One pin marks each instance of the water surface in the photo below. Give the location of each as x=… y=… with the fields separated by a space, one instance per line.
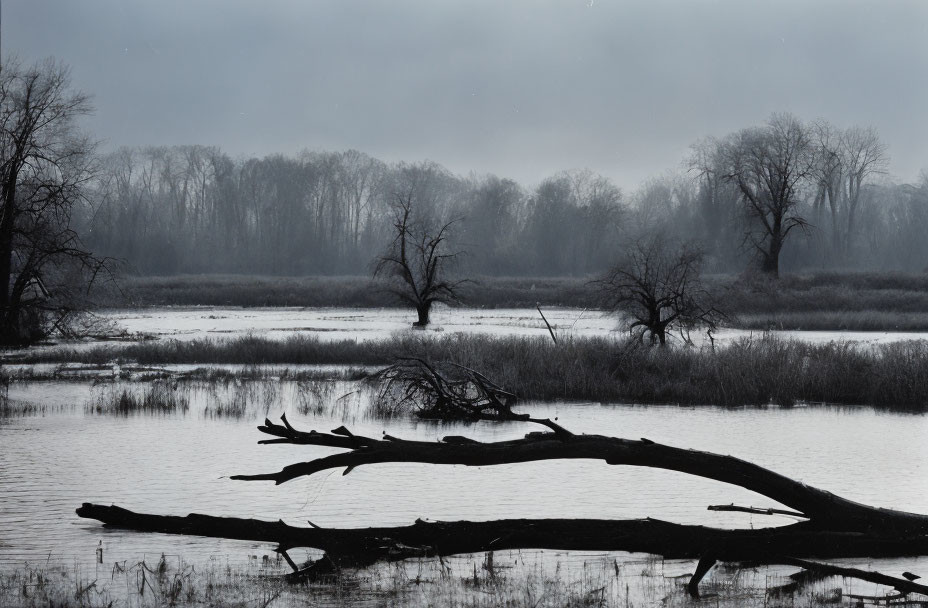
x=180 y=463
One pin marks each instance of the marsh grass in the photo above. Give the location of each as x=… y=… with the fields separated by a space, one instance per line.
x=748 y=371
x=238 y=398
x=343 y=291
x=230 y=396
x=158 y=583
x=518 y=579
x=157 y=397
x=839 y=320
x=212 y=372
x=18 y=407
x=827 y=300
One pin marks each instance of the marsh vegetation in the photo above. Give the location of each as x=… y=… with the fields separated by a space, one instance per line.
x=746 y=371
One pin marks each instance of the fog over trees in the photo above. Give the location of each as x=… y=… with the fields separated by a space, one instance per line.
x=786 y=195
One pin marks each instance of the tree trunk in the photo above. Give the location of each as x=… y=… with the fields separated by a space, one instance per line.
x=672 y=541
x=423 y=310
x=771 y=258
x=661 y=332
x=8 y=320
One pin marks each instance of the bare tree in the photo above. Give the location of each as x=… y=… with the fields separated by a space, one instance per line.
x=769 y=165
x=716 y=204
x=828 y=172
x=416 y=262
x=864 y=156
x=659 y=288
x=46 y=165
x=845 y=161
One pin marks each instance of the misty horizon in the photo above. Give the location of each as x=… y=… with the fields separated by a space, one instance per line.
x=519 y=90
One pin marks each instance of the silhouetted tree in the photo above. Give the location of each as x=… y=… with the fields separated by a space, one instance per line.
x=416 y=263
x=769 y=165
x=658 y=286
x=45 y=166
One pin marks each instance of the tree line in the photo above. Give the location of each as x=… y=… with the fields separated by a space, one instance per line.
x=785 y=194
x=195 y=209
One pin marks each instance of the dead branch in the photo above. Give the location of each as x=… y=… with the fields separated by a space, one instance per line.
x=446 y=391
x=824 y=508
x=899 y=584
x=836 y=527
x=755 y=510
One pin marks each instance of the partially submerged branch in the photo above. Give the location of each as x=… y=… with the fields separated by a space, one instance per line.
x=756 y=510
x=673 y=541
x=836 y=527
x=822 y=507
x=899 y=584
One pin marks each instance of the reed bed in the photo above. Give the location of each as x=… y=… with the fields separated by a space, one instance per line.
x=842 y=320
x=749 y=371
x=826 y=301
x=157 y=397
x=517 y=579
x=231 y=397
x=803 y=292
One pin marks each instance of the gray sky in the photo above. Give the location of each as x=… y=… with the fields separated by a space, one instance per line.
x=517 y=88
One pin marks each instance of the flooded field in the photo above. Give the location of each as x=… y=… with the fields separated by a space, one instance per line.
x=188 y=323
x=179 y=461
x=168 y=445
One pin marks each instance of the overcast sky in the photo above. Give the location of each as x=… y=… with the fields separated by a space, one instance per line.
x=518 y=88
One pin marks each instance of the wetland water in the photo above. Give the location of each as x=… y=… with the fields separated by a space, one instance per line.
x=62 y=453
x=174 y=464
x=188 y=323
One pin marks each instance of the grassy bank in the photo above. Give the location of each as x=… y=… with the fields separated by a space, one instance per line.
x=827 y=320
x=826 y=301
x=347 y=291
x=747 y=372
x=831 y=292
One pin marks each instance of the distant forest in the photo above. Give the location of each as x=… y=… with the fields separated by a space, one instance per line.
x=195 y=209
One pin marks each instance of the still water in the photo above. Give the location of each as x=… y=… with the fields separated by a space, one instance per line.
x=188 y=323
x=52 y=461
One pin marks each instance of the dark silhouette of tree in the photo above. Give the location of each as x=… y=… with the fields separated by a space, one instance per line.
x=658 y=286
x=415 y=264
x=769 y=165
x=45 y=167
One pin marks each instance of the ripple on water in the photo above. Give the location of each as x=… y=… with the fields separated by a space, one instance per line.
x=177 y=464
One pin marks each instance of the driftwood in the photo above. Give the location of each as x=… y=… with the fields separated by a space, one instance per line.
x=446 y=391
x=360 y=546
x=819 y=506
x=834 y=527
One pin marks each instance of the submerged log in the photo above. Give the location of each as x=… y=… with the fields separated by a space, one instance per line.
x=354 y=547
x=819 y=506
x=673 y=541
x=835 y=528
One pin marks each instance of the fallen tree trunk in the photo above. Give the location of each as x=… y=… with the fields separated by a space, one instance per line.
x=352 y=547
x=836 y=527
x=673 y=541
x=820 y=506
